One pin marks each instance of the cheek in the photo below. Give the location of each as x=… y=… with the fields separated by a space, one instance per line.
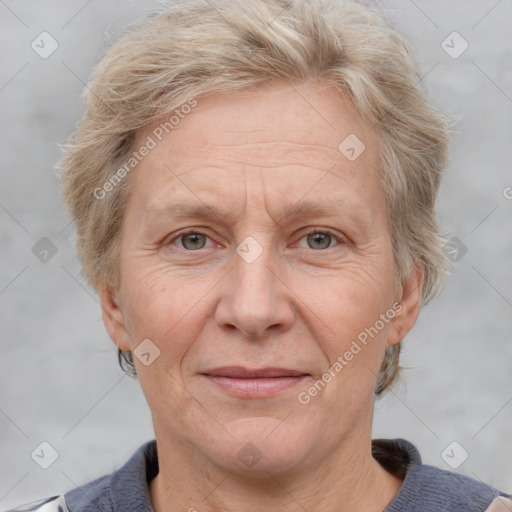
x=171 y=315
x=356 y=298
x=356 y=311
x=165 y=310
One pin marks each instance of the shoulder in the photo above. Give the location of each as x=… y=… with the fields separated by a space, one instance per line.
x=125 y=489
x=427 y=488
x=53 y=504
x=447 y=490
x=93 y=496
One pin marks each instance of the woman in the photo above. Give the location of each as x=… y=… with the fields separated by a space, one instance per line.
x=253 y=186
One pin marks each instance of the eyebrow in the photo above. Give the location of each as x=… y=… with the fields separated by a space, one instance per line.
x=292 y=211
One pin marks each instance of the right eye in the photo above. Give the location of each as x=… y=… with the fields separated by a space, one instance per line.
x=190 y=240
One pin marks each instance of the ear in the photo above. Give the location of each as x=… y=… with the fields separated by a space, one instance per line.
x=113 y=317
x=407 y=308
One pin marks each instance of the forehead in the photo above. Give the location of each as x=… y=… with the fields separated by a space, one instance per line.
x=310 y=114
x=282 y=142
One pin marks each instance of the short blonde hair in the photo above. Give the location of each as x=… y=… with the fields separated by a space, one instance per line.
x=195 y=48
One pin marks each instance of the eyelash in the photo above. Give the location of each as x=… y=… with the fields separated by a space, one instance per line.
x=196 y=232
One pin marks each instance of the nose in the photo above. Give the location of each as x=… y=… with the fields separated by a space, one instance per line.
x=255 y=299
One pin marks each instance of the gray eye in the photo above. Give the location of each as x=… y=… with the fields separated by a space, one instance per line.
x=193 y=241
x=319 y=240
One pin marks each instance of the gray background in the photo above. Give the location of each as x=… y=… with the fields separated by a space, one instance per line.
x=59 y=379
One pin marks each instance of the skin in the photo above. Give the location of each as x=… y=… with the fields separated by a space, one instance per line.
x=299 y=305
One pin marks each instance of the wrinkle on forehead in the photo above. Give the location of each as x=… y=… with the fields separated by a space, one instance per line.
x=257 y=147
x=260 y=154
x=258 y=151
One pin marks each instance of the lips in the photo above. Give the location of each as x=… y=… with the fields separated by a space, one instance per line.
x=254 y=383
x=239 y=372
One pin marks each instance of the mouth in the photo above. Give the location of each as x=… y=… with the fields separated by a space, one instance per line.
x=254 y=383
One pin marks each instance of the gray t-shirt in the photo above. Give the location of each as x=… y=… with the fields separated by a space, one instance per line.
x=425 y=488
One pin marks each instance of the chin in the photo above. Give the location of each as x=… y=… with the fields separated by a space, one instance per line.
x=259 y=445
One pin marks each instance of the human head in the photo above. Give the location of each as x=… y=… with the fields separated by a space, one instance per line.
x=197 y=48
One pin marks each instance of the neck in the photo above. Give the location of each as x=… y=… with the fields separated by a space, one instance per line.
x=349 y=480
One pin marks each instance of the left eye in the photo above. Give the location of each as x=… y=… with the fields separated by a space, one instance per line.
x=193 y=241
x=320 y=240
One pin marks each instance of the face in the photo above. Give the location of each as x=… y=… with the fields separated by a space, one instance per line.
x=256 y=259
